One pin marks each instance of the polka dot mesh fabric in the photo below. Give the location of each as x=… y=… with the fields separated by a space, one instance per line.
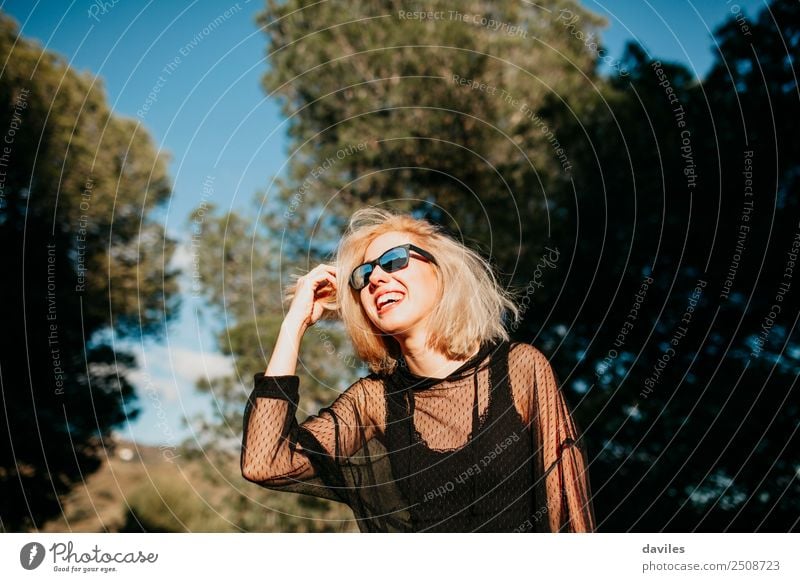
x=491 y=447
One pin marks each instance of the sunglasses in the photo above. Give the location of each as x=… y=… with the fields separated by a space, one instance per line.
x=392 y=260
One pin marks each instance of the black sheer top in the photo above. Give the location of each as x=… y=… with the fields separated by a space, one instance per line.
x=491 y=448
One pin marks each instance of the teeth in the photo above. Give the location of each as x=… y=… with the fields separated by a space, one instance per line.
x=387 y=297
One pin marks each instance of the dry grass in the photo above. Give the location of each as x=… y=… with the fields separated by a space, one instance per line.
x=100 y=504
x=150 y=493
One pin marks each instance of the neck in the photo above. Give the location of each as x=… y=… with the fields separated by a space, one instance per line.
x=423 y=361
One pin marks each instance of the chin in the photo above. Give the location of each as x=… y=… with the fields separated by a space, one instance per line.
x=397 y=328
x=390 y=329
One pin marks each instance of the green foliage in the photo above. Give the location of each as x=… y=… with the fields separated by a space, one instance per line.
x=242 y=270
x=662 y=184
x=367 y=73
x=83 y=258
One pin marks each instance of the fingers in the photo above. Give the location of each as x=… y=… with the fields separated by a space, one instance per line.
x=324 y=267
x=313 y=289
x=321 y=273
x=319 y=283
x=327 y=271
x=327 y=284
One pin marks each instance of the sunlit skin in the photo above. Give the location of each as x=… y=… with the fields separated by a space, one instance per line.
x=407 y=321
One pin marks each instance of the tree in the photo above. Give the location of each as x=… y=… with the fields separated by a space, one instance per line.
x=688 y=382
x=437 y=112
x=85 y=266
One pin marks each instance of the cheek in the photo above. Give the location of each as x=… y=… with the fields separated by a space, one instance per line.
x=431 y=286
x=364 y=301
x=427 y=291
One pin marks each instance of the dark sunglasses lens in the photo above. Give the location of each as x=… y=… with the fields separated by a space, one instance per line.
x=394 y=259
x=390 y=261
x=360 y=276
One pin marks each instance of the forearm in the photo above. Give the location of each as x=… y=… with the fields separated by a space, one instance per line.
x=577 y=491
x=283 y=361
x=269 y=429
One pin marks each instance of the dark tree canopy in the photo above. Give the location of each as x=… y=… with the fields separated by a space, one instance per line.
x=682 y=238
x=82 y=259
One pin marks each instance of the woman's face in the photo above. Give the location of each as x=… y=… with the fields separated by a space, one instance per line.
x=416 y=287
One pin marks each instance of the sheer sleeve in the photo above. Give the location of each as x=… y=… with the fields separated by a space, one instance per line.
x=279 y=453
x=563 y=492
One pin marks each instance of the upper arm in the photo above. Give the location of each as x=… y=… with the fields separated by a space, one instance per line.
x=350 y=421
x=544 y=408
x=536 y=392
x=522 y=374
x=273 y=451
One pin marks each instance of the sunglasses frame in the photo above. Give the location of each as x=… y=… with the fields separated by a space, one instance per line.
x=408 y=247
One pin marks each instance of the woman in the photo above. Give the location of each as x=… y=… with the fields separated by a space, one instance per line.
x=455 y=429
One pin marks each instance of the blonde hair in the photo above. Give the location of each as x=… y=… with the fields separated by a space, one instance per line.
x=469 y=311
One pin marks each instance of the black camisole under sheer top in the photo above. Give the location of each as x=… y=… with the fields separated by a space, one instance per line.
x=490 y=448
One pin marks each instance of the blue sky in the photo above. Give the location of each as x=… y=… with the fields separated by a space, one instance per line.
x=208 y=111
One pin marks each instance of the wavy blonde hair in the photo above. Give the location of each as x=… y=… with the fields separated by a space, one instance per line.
x=470 y=309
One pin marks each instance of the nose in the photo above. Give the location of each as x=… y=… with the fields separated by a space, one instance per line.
x=378 y=275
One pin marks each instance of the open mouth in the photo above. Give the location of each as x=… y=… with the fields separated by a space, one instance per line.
x=389 y=301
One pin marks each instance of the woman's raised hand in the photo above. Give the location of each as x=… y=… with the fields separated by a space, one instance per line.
x=315 y=291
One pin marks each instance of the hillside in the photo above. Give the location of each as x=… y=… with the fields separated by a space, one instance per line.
x=101 y=503
x=141 y=488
